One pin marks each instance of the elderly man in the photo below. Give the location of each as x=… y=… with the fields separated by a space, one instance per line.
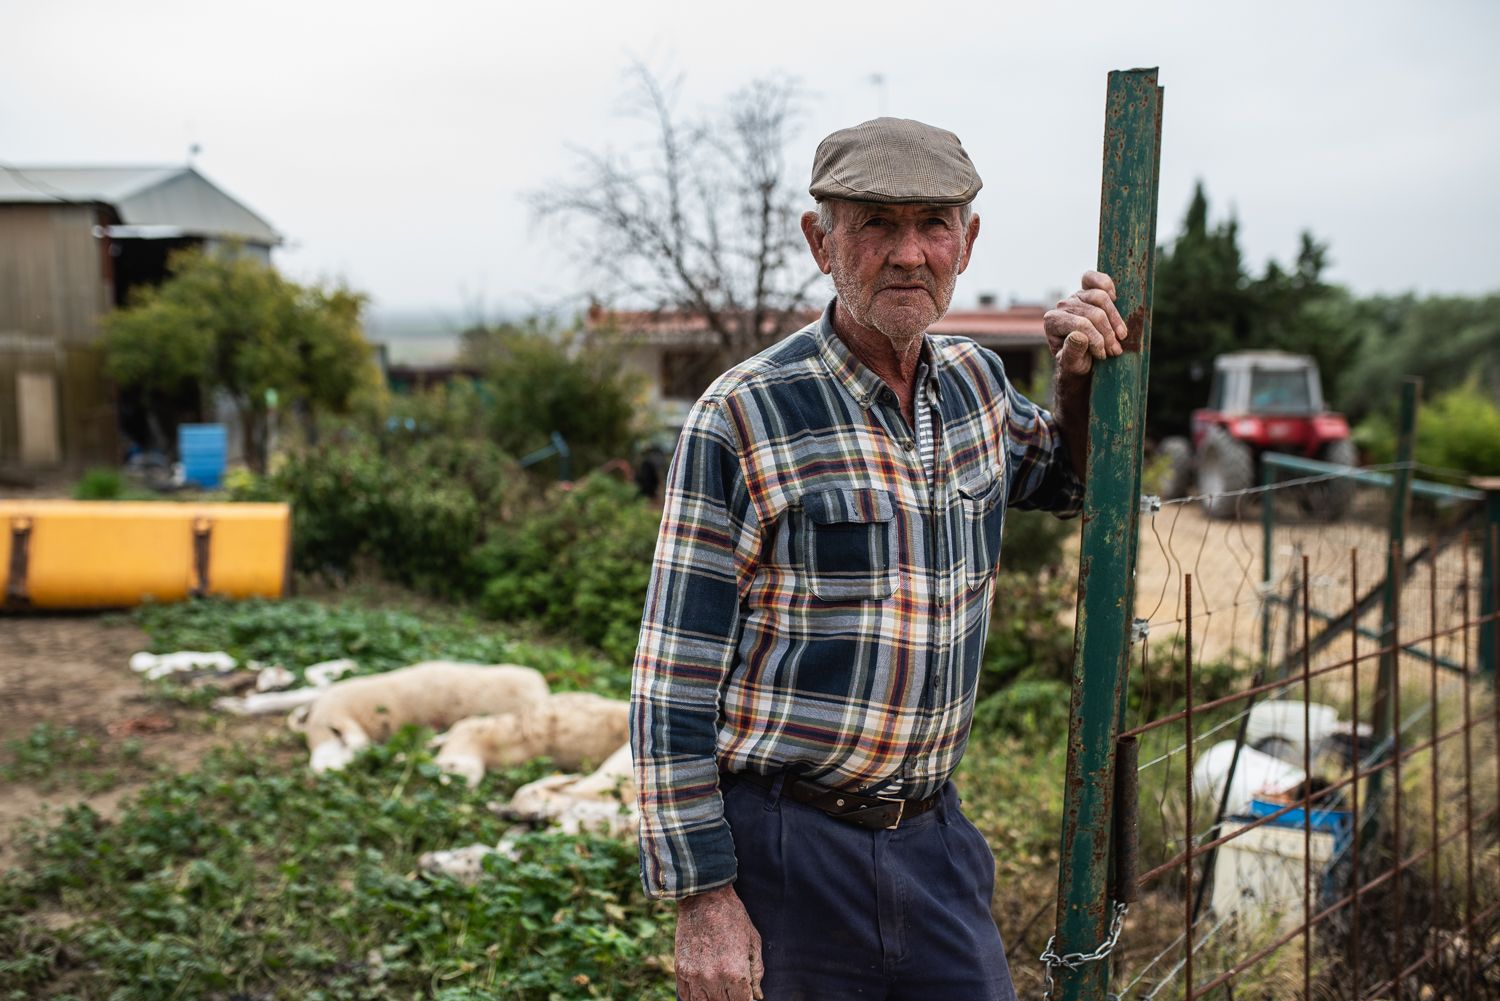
x=813 y=631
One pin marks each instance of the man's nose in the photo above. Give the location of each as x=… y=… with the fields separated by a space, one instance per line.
x=907 y=251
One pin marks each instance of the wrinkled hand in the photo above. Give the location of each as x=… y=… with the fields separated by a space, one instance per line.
x=1086 y=325
x=718 y=949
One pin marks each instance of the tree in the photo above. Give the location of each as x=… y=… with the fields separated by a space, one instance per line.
x=229 y=324
x=1449 y=341
x=1207 y=304
x=703 y=221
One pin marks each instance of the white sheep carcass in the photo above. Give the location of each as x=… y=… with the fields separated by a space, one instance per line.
x=571 y=728
x=602 y=802
x=356 y=712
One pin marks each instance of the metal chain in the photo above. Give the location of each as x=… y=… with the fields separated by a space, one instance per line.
x=1075 y=960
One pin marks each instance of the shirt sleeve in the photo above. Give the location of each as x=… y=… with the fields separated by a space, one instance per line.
x=1037 y=466
x=705 y=558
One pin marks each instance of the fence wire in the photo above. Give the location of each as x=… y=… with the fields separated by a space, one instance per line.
x=1317 y=787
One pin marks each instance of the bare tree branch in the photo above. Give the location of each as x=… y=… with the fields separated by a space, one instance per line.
x=705 y=223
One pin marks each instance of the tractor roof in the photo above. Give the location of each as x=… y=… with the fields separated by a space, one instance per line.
x=1263 y=359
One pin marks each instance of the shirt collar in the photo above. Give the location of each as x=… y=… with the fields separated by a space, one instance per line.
x=856 y=377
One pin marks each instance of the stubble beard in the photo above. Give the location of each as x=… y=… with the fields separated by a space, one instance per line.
x=900 y=326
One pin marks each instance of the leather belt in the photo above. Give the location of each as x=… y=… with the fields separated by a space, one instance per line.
x=873 y=812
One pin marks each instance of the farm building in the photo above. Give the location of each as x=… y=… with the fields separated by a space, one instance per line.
x=667 y=350
x=74 y=242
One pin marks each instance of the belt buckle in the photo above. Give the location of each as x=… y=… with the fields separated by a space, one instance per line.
x=900 y=812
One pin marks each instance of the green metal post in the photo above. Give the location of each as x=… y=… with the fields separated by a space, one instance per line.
x=1106 y=566
x=1267 y=554
x=1489 y=578
x=1406 y=446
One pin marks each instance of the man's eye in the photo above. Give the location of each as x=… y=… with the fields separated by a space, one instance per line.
x=875 y=223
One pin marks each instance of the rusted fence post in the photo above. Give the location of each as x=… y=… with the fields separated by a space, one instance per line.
x=1489 y=579
x=1106 y=566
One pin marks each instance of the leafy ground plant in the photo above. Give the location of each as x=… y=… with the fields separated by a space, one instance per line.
x=298 y=632
x=246 y=878
x=51 y=757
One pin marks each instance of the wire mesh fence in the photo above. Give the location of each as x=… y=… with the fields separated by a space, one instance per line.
x=1316 y=746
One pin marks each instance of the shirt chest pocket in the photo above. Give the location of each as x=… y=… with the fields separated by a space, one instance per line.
x=983 y=504
x=849 y=544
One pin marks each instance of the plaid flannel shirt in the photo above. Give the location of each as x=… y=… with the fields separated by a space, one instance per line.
x=819 y=596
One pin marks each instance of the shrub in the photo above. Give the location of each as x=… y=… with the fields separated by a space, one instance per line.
x=579 y=565
x=1459 y=430
x=1034 y=541
x=1028 y=637
x=538 y=382
x=418 y=508
x=100 y=484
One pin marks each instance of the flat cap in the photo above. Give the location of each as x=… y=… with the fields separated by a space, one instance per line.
x=894 y=160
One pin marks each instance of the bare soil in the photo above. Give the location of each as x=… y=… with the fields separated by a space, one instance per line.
x=72 y=671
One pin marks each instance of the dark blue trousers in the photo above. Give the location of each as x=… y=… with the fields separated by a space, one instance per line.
x=844 y=912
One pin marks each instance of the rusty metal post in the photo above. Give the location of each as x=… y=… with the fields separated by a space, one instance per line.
x=1489 y=585
x=1106 y=571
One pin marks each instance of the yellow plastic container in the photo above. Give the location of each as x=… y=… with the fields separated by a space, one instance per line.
x=108 y=554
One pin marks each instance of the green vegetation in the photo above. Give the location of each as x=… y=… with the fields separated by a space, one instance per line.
x=579 y=566
x=1459 y=431
x=53 y=757
x=539 y=381
x=243 y=879
x=100 y=484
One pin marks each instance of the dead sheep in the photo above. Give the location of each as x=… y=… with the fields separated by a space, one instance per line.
x=602 y=802
x=357 y=712
x=571 y=728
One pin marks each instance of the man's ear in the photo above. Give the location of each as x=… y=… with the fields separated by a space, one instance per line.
x=970 y=236
x=817 y=240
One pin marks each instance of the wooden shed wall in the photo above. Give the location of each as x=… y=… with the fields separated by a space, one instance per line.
x=54 y=287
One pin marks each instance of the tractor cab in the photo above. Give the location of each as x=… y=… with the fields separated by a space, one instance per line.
x=1259 y=401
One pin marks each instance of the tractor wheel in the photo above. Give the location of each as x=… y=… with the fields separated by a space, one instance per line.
x=1329 y=499
x=1177 y=480
x=1225 y=466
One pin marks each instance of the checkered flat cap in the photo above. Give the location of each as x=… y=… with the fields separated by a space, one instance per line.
x=894 y=160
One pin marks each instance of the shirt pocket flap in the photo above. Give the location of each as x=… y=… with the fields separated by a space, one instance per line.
x=981 y=487
x=836 y=507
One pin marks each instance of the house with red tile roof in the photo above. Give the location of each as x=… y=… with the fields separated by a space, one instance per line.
x=675 y=354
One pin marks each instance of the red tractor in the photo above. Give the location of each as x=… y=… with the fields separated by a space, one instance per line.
x=1260 y=401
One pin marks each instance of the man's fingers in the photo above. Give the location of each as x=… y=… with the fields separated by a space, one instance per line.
x=1106 y=302
x=757 y=970
x=1099 y=280
x=1101 y=320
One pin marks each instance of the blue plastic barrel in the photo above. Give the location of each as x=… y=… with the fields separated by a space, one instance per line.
x=201 y=448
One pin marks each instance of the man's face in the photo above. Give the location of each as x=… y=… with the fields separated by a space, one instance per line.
x=894 y=266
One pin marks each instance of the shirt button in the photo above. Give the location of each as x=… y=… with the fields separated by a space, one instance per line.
x=908 y=444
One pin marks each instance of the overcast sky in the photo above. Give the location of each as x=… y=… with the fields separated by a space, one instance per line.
x=393 y=142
